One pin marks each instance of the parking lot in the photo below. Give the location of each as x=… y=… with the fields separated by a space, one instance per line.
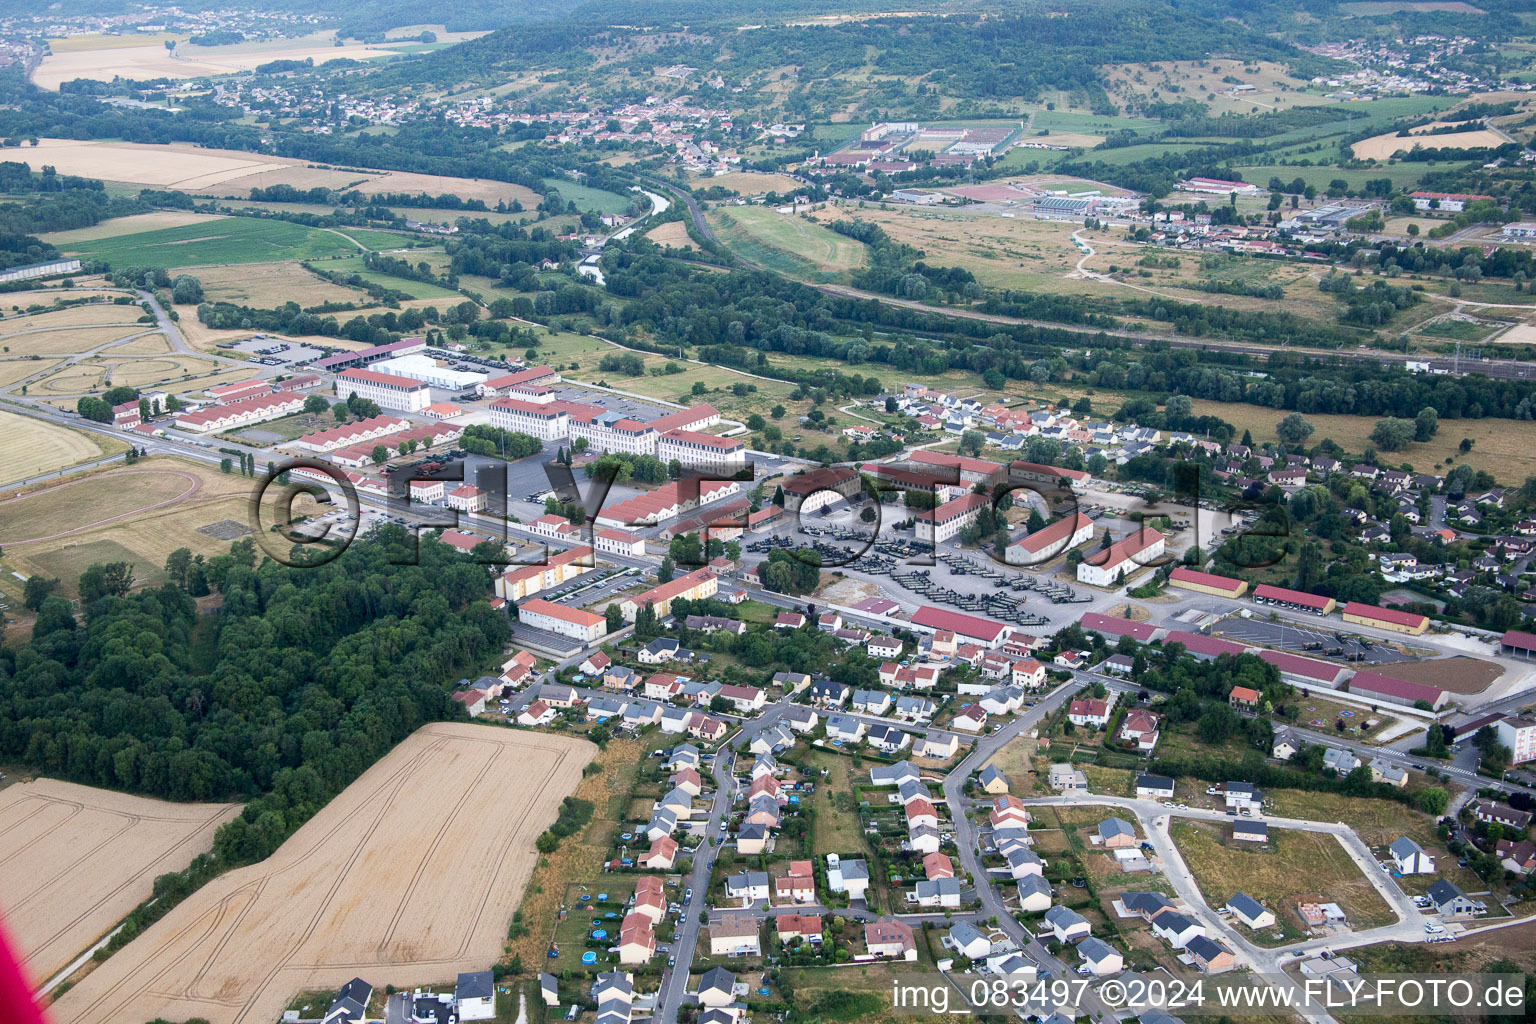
x=1317 y=642
x=275 y=352
x=629 y=408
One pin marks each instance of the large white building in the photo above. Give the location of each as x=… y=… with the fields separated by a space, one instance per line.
x=606 y=431
x=240 y=413
x=940 y=524
x=1122 y=559
x=557 y=618
x=619 y=542
x=32 y=270
x=532 y=376
x=1518 y=733
x=702 y=451
x=387 y=390
x=422 y=367
x=545 y=421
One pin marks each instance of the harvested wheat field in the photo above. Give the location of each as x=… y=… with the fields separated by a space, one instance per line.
x=409 y=876
x=230 y=172
x=131 y=225
x=673 y=233
x=1381 y=147
x=154 y=61
x=74 y=316
x=267 y=285
x=67 y=341
x=74 y=860
x=37 y=446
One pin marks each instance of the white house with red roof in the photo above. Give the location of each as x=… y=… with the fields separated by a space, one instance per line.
x=466 y=498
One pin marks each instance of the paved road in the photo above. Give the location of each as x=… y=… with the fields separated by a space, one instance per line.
x=675 y=982
x=966 y=838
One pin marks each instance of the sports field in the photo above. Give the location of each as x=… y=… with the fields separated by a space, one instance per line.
x=34 y=446
x=216 y=240
x=74 y=860
x=787 y=243
x=409 y=876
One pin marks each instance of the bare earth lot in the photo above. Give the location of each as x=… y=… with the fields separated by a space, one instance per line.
x=1458 y=675
x=409 y=876
x=74 y=860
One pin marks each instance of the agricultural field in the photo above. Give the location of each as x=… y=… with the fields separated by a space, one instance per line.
x=88 y=315
x=787 y=243
x=747 y=183
x=75 y=860
x=179 y=166
x=586 y=197
x=1381 y=147
x=268 y=285
x=217 y=240
x=152 y=60
x=415 y=289
x=673 y=233
x=35 y=446
x=345 y=896
x=233 y=173
x=13 y=371
x=1293 y=867
x=145 y=345
x=160 y=220
x=137 y=514
x=85 y=286
x=36 y=339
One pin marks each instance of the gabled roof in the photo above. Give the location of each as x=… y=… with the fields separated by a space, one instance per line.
x=1245 y=906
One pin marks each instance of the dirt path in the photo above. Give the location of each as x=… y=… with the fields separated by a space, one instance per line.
x=194 y=485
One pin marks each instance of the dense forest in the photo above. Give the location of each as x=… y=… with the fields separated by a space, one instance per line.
x=303 y=678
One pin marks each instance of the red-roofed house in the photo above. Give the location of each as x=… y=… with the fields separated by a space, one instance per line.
x=1090 y=712
x=1120 y=560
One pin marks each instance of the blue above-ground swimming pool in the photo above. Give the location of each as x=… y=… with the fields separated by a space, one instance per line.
x=589 y=958
x=600 y=934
